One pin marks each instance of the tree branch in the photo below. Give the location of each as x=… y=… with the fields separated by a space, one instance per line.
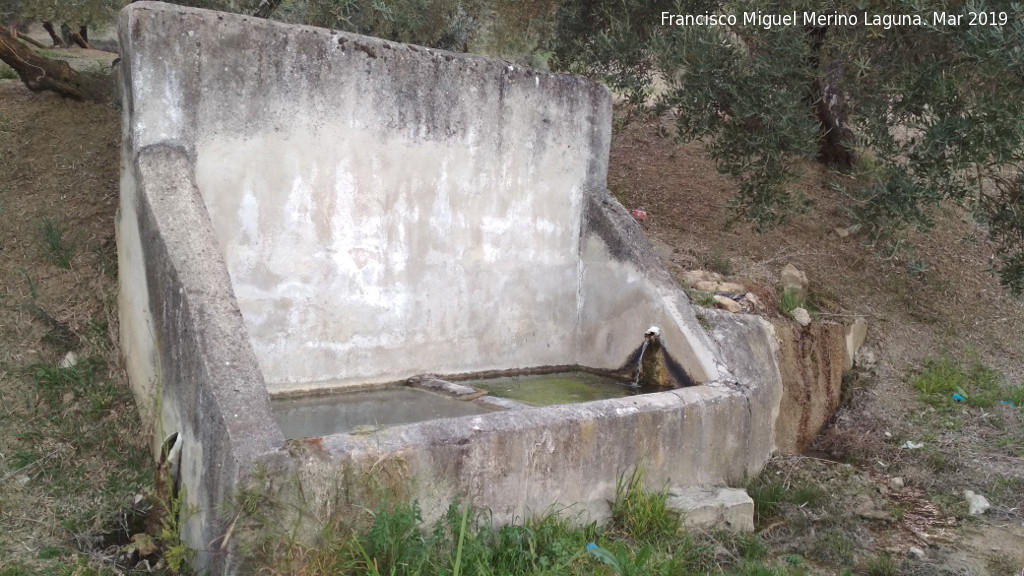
x=40 y=73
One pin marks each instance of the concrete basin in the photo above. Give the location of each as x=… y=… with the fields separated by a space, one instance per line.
x=301 y=206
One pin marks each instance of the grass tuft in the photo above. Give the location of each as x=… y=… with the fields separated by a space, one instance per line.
x=884 y=565
x=644 y=517
x=58 y=248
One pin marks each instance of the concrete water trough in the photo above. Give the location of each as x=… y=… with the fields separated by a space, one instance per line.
x=304 y=210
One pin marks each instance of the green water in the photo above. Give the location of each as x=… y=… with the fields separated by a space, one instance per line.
x=551 y=389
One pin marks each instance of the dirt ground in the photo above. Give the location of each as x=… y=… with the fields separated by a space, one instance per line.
x=932 y=295
x=62 y=490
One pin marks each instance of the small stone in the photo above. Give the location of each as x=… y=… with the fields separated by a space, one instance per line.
x=69 y=361
x=754 y=301
x=24 y=480
x=705 y=286
x=896 y=483
x=726 y=303
x=842 y=232
x=801 y=316
x=730 y=288
x=139 y=498
x=856 y=333
x=692 y=277
x=794 y=281
x=915 y=552
x=864 y=359
x=978 y=503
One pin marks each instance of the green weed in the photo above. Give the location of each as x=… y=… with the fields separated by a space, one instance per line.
x=807 y=494
x=59 y=249
x=700 y=298
x=978 y=384
x=643 y=516
x=32 y=287
x=884 y=565
x=7 y=73
x=767 y=495
x=791 y=299
x=835 y=548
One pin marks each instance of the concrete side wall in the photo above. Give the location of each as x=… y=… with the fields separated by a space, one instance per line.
x=625 y=289
x=384 y=210
x=518 y=464
x=191 y=354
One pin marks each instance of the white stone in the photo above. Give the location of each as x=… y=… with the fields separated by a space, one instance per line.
x=706 y=507
x=916 y=552
x=69 y=361
x=978 y=503
x=856 y=333
x=803 y=317
x=692 y=277
x=726 y=303
x=896 y=483
x=731 y=288
x=755 y=302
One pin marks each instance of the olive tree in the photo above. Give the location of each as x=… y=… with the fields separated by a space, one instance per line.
x=922 y=97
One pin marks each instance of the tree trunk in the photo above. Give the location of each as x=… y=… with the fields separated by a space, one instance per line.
x=32 y=41
x=831 y=110
x=48 y=26
x=830 y=105
x=39 y=73
x=78 y=39
x=83 y=31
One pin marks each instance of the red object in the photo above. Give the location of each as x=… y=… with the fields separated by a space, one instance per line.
x=639 y=214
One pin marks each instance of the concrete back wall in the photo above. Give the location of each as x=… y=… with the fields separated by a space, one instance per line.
x=387 y=210
x=384 y=210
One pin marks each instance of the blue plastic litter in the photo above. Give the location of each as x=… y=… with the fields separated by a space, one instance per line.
x=1008 y=403
x=959 y=398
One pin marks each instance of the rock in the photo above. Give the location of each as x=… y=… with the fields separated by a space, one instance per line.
x=978 y=503
x=705 y=286
x=848 y=231
x=794 y=281
x=866 y=508
x=801 y=316
x=855 y=336
x=754 y=301
x=865 y=359
x=69 y=361
x=726 y=303
x=896 y=483
x=915 y=552
x=706 y=507
x=730 y=288
x=692 y=277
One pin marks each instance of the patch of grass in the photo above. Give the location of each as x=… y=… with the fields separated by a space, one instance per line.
x=700 y=298
x=7 y=73
x=790 y=300
x=32 y=286
x=943 y=377
x=641 y=515
x=58 y=248
x=884 y=565
x=807 y=494
x=768 y=495
x=835 y=548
